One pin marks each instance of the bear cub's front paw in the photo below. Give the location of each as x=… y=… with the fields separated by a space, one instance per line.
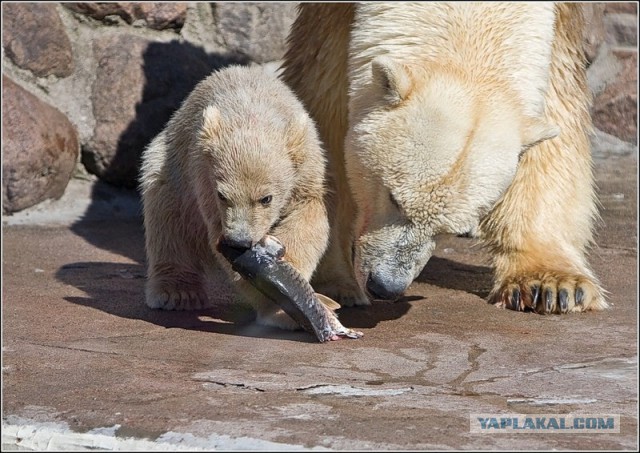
x=177 y=299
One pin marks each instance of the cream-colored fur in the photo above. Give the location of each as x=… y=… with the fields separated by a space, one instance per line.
x=461 y=117
x=241 y=158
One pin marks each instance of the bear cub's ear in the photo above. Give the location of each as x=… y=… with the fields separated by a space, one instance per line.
x=536 y=130
x=297 y=133
x=210 y=123
x=393 y=77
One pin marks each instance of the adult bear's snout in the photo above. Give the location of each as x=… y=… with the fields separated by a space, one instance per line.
x=388 y=286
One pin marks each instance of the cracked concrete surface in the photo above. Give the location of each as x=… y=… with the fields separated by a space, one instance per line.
x=86 y=365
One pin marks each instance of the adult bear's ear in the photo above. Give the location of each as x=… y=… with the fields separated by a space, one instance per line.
x=536 y=130
x=393 y=77
x=210 y=123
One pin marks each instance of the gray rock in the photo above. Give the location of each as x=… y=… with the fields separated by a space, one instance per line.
x=100 y=10
x=201 y=28
x=139 y=84
x=257 y=30
x=603 y=70
x=621 y=29
x=615 y=109
x=160 y=16
x=605 y=145
x=39 y=146
x=34 y=38
x=621 y=7
x=83 y=201
x=157 y=16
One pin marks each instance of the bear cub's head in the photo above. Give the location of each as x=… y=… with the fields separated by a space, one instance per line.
x=247 y=158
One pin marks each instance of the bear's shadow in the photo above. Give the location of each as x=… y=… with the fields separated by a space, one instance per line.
x=118 y=289
x=455 y=275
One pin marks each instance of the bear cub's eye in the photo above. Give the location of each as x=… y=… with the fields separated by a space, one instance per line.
x=222 y=197
x=265 y=201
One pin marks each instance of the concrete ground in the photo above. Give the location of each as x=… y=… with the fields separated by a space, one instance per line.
x=85 y=365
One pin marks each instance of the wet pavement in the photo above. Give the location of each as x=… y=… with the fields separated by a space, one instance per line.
x=86 y=365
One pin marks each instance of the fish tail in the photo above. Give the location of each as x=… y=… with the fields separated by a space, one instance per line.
x=327 y=301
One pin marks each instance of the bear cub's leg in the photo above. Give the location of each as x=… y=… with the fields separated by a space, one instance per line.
x=175 y=278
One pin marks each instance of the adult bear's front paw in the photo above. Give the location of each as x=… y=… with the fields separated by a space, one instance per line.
x=548 y=292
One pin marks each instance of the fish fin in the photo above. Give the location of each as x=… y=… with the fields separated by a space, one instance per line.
x=327 y=301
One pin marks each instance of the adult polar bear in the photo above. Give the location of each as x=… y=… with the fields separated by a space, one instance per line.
x=451 y=118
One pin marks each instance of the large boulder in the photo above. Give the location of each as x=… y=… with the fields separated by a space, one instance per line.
x=34 y=38
x=39 y=146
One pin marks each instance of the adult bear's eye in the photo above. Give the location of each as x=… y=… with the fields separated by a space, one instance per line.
x=222 y=197
x=265 y=201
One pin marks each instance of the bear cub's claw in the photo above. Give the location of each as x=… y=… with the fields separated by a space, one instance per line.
x=177 y=300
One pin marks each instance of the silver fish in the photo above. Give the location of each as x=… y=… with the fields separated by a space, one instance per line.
x=264 y=267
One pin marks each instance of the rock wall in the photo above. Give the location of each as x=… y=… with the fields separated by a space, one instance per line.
x=87 y=85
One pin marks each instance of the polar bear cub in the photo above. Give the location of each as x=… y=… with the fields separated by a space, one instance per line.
x=239 y=159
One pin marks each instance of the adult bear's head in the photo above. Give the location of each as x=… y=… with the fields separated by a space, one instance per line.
x=430 y=150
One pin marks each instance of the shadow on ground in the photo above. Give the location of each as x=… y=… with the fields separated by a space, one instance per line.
x=117 y=288
x=450 y=274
